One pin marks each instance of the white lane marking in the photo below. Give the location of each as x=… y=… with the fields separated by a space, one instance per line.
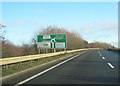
x=99 y=53
x=103 y=57
x=26 y=80
x=111 y=65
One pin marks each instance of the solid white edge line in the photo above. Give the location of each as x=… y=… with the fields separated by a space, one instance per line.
x=28 y=79
x=111 y=65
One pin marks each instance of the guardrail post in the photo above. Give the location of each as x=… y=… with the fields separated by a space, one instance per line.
x=31 y=62
x=6 y=66
x=3 y=66
x=19 y=63
x=38 y=60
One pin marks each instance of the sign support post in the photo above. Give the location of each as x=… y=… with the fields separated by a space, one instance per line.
x=54 y=50
x=39 y=50
x=46 y=50
x=65 y=50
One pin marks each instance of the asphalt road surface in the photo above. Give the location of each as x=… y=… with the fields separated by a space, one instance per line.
x=90 y=67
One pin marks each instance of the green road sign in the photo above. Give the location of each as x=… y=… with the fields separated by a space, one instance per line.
x=51 y=41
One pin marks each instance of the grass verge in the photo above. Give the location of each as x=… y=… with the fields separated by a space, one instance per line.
x=14 y=68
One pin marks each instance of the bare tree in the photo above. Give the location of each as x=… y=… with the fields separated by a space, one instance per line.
x=74 y=40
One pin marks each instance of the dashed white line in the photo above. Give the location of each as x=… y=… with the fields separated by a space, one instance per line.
x=103 y=57
x=111 y=65
x=28 y=79
x=100 y=54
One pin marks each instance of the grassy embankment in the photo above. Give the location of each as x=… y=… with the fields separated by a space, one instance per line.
x=14 y=68
x=115 y=50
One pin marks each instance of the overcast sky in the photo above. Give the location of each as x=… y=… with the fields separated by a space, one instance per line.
x=94 y=21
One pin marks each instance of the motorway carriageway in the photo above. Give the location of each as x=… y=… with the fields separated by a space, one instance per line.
x=89 y=67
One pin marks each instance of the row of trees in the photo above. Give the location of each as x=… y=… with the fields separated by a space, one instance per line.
x=103 y=45
x=74 y=41
x=100 y=45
